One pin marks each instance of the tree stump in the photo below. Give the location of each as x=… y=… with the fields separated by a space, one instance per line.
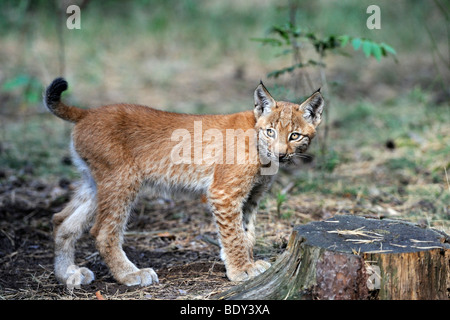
x=351 y=257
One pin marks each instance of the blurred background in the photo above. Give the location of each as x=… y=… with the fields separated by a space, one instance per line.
x=383 y=149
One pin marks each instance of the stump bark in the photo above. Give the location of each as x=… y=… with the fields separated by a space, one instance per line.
x=351 y=257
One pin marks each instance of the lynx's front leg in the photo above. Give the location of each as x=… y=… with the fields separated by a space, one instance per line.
x=250 y=207
x=236 y=249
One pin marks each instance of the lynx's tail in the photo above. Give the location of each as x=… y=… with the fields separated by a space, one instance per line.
x=53 y=102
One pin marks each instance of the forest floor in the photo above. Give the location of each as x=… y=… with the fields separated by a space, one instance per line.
x=175 y=237
x=168 y=237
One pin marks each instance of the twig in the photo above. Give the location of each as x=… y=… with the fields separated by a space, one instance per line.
x=446 y=176
x=209 y=240
x=288 y=188
x=398 y=245
x=8 y=236
x=420 y=241
x=358 y=232
x=151 y=233
x=426 y=248
x=378 y=251
x=364 y=241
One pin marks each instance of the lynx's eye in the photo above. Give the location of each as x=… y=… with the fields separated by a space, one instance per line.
x=270 y=133
x=294 y=136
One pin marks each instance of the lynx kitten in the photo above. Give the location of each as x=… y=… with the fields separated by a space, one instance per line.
x=119 y=148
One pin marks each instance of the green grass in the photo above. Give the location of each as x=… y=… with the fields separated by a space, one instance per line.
x=36 y=148
x=411 y=178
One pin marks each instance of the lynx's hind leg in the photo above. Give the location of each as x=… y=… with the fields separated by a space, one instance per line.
x=115 y=200
x=69 y=225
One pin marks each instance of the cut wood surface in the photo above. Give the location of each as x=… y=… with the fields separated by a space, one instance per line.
x=352 y=257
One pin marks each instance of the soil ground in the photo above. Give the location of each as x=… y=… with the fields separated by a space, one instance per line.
x=176 y=238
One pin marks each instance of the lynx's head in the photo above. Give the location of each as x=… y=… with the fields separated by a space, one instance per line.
x=285 y=129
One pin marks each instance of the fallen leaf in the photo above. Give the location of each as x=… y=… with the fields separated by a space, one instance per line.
x=99 y=295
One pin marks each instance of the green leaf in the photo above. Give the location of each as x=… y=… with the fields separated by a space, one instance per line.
x=16 y=82
x=33 y=93
x=277 y=73
x=316 y=63
x=367 y=47
x=297 y=32
x=32 y=96
x=344 y=40
x=376 y=51
x=356 y=43
x=388 y=48
x=284 y=52
x=332 y=42
x=270 y=41
x=282 y=32
x=311 y=36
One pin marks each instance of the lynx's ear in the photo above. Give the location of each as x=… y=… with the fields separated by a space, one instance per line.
x=263 y=101
x=312 y=108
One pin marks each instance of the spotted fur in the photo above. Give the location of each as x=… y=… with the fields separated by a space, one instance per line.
x=119 y=148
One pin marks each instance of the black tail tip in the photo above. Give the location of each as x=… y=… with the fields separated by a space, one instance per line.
x=54 y=90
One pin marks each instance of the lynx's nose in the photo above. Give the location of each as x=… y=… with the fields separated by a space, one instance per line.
x=281 y=156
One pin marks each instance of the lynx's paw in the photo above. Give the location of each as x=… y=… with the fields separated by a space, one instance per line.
x=142 y=277
x=252 y=271
x=76 y=276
